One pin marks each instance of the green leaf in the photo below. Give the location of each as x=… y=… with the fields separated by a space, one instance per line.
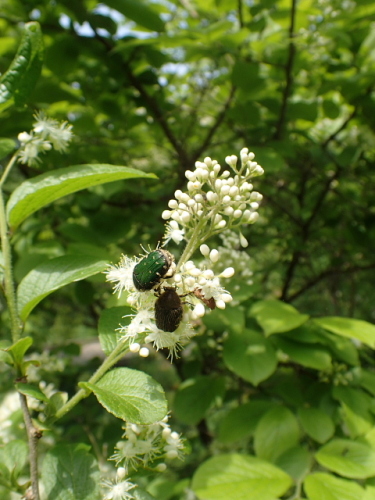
x=31 y=390
x=306 y=355
x=234 y=477
x=250 y=356
x=241 y=422
x=53 y=275
x=130 y=395
x=317 y=424
x=109 y=321
x=348 y=458
x=43 y=189
x=356 y=409
x=349 y=327
x=70 y=472
x=55 y=402
x=14 y=456
x=18 y=349
x=296 y=462
x=139 y=12
x=6 y=147
x=19 y=80
x=276 y=432
x=276 y=317
x=195 y=396
x=321 y=486
x=370 y=493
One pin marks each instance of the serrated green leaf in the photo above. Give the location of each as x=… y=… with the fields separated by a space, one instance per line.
x=18 y=349
x=316 y=424
x=320 y=486
x=276 y=432
x=349 y=327
x=43 y=189
x=51 y=276
x=130 y=395
x=31 y=390
x=6 y=147
x=195 y=396
x=19 y=80
x=275 y=316
x=139 y=12
x=234 y=477
x=70 y=472
x=109 y=322
x=250 y=356
x=348 y=458
x=241 y=422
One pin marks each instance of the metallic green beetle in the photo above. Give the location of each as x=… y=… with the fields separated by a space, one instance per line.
x=151 y=269
x=168 y=310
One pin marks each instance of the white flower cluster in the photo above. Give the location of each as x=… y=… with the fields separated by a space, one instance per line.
x=47 y=133
x=214 y=201
x=144 y=444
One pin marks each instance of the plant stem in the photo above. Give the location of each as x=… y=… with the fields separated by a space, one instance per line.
x=9 y=287
x=192 y=244
x=33 y=435
x=112 y=359
x=8 y=168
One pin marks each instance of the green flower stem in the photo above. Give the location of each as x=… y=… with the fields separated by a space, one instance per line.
x=193 y=243
x=10 y=293
x=8 y=169
x=111 y=360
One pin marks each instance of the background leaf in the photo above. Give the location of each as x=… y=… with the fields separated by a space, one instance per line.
x=276 y=317
x=38 y=192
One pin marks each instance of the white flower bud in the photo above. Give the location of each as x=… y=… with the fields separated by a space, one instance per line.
x=208 y=274
x=172 y=204
x=221 y=224
x=202 y=281
x=217 y=168
x=189 y=265
x=166 y=432
x=226 y=297
x=220 y=304
x=224 y=189
x=24 y=137
x=218 y=184
x=195 y=272
x=121 y=473
x=230 y=181
x=191 y=176
x=226 y=199
x=182 y=206
x=204 y=249
x=258 y=170
x=218 y=218
x=237 y=214
x=233 y=191
x=171 y=454
x=166 y=214
x=254 y=205
x=198 y=198
x=185 y=217
x=255 y=196
x=212 y=175
x=211 y=196
x=175 y=435
x=199 y=310
x=192 y=203
x=161 y=467
x=253 y=217
x=177 y=194
x=208 y=161
x=190 y=282
x=229 y=211
x=184 y=197
x=214 y=255
x=134 y=347
x=225 y=174
x=144 y=352
x=243 y=241
x=227 y=273
x=190 y=186
x=251 y=156
x=244 y=151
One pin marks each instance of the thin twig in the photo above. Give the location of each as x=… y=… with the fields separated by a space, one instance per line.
x=33 y=436
x=289 y=74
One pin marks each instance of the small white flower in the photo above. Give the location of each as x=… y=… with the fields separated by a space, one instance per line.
x=122 y=274
x=173 y=232
x=59 y=134
x=118 y=490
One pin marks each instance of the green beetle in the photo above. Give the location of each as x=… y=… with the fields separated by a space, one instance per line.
x=151 y=269
x=168 y=310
